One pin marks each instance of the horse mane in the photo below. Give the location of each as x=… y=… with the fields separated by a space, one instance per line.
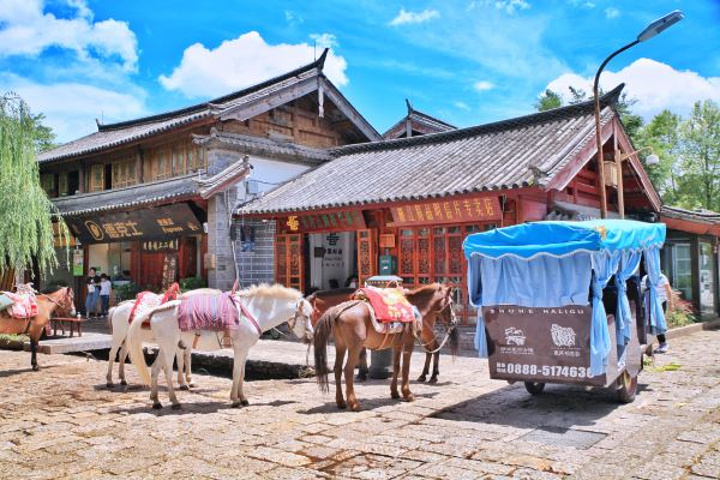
x=423 y=294
x=276 y=291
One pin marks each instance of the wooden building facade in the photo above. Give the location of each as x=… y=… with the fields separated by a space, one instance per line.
x=408 y=203
x=148 y=200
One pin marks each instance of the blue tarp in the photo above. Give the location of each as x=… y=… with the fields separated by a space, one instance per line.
x=562 y=238
x=550 y=264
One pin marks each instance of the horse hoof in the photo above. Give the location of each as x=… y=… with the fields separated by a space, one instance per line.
x=157 y=406
x=36 y=368
x=177 y=406
x=244 y=403
x=236 y=405
x=192 y=385
x=361 y=377
x=409 y=398
x=109 y=384
x=184 y=387
x=422 y=378
x=123 y=382
x=355 y=407
x=433 y=381
x=341 y=405
x=394 y=395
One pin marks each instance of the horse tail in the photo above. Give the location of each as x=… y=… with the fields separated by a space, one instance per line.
x=135 y=347
x=320 y=341
x=454 y=341
x=109 y=318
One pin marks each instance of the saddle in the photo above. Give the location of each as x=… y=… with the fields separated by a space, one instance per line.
x=388 y=304
x=147 y=300
x=19 y=305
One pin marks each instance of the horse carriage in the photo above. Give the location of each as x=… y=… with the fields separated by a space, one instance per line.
x=560 y=302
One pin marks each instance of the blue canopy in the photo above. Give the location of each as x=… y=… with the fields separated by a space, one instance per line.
x=562 y=238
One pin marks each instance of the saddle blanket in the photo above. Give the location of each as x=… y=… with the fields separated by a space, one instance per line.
x=388 y=304
x=208 y=312
x=23 y=306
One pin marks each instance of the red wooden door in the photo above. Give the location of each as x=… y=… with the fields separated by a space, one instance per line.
x=367 y=254
x=290 y=260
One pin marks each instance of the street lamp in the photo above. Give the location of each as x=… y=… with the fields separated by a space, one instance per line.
x=656 y=27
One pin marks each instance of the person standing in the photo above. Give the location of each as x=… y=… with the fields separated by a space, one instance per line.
x=665 y=294
x=105 y=288
x=93 y=293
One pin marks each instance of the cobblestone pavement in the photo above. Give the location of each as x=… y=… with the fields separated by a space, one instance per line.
x=62 y=422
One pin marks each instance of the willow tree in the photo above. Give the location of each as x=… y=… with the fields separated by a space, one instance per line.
x=26 y=213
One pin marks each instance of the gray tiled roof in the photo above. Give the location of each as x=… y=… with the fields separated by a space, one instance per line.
x=509 y=154
x=113 y=135
x=701 y=216
x=264 y=146
x=164 y=191
x=416 y=117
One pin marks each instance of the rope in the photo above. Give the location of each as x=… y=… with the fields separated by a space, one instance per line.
x=442 y=344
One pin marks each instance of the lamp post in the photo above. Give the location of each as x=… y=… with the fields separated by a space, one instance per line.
x=656 y=27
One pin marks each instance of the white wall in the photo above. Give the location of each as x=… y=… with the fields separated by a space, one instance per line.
x=270 y=174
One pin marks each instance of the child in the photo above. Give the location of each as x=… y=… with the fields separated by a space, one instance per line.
x=105 y=288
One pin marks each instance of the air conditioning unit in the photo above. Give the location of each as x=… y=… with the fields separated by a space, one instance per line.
x=611 y=174
x=252 y=187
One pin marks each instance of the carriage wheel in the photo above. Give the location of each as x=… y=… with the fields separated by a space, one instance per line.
x=534 y=388
x=627 y=388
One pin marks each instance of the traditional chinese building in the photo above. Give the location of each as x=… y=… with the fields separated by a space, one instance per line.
x=404 y=206
x=149 y=200
x=416 y=123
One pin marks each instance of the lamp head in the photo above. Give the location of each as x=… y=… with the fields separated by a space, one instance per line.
x=652 y=159
x=661 y=24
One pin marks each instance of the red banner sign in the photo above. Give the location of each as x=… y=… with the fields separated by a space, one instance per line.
x=448 y=211
x=324 y=222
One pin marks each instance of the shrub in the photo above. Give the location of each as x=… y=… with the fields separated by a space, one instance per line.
x=192 y=283
x=126 y=292
x=683 y=313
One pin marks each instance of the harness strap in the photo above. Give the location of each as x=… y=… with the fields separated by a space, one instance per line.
x=246 y=313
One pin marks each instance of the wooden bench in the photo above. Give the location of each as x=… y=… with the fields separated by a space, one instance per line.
x=70 y=322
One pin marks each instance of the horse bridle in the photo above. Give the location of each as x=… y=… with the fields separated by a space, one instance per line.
x=453 y=326
x=67 y=299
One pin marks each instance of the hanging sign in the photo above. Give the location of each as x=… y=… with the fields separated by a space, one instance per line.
x=448 y=211
x=78 y=261
x=171 y=245
x=170 y=267
x=165 y=222
x=324 y=222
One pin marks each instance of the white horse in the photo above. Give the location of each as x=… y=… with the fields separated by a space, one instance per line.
x=269 y=305
x=118 y=318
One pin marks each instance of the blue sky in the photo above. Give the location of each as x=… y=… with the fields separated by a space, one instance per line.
x=467 y=62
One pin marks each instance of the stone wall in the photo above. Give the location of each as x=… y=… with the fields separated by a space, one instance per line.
x=255 y=259
x=222 y=276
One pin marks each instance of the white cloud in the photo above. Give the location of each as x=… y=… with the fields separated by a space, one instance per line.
x=408 y=17
x=293 y=18
x=511 y=7
x=324 y=40
x=241 y=62
x=70 y=108
x=612 y=12
x=483 y=86
x=655 y=85
x=28 y=31
x=462 y=106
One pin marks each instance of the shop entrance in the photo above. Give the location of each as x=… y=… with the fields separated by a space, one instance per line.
x=332 y=259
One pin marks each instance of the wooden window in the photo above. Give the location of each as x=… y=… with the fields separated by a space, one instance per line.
x=47 y=182
x=63 y=184
x=124 y=173
x=178 y=159
x=162 y=164
x=97 y=177
x=195 y=158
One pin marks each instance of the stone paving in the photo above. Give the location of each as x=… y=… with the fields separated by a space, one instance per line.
x=62 y=422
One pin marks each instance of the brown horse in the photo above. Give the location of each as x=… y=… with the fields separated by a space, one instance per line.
x=351 y=326
x=323 y=300
x=62 y=299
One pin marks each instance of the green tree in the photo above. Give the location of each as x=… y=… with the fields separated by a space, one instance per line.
x=26 y=213
x=662 y=133
x=548 y=100
x=700 y=157
x=44 y=135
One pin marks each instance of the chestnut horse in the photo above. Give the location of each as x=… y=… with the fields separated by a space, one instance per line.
x=323 y=300
x=62 y=299
x=351 y=326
